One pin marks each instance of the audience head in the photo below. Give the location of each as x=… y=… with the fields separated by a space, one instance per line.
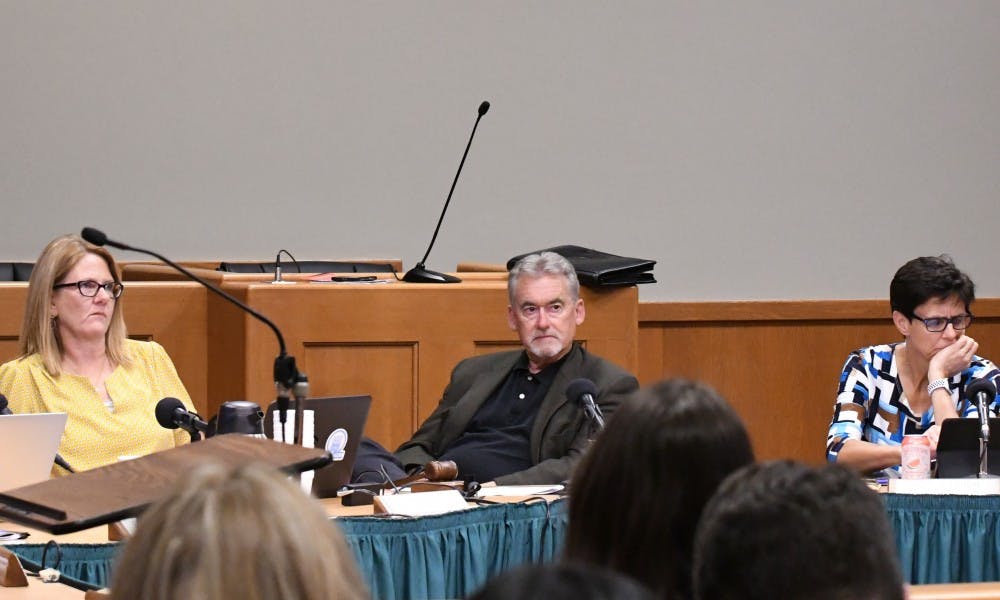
x=245 y=533
x=928 y=278
x=40 y=330
x=786 y=530
x=545 y=306
x=636 y=496
x=565 y=581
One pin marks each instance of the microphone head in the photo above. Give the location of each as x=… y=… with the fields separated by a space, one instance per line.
x=94 y=236
x=165 y=412
x=3 y=405
x=978 y=386
x=485 y=106
x=578 y=388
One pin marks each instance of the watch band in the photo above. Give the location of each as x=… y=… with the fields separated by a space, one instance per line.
x=937 y=384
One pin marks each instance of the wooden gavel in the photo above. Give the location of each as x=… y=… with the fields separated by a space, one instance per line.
x=435 y=470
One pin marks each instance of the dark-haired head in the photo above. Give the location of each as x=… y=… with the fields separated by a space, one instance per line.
x=565 y=581
x=926 y=278
x=787 y=530
x=636 y=496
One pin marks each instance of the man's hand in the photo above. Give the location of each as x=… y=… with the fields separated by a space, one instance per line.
x=953 y=359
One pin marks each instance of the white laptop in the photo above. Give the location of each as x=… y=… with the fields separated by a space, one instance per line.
x=28 y=445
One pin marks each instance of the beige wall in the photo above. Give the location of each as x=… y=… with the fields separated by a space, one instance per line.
x=764 y=149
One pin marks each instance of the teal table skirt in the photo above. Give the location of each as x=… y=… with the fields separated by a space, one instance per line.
x=946 y=539
x=450 y=556
x=941 y=539
x=446 y=556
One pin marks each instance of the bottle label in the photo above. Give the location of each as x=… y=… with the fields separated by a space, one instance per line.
x=916 y=463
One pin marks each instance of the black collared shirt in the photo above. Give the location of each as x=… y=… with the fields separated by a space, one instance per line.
x=497 y=440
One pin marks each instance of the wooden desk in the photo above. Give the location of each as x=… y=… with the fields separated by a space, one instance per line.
x=954 y=591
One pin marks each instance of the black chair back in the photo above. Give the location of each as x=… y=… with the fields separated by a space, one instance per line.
x=307 y=266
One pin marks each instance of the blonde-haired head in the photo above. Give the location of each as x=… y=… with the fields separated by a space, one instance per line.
x=246 y=533
x=39 y=332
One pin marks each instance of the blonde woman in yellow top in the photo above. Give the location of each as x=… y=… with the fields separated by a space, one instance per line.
x=76 y=358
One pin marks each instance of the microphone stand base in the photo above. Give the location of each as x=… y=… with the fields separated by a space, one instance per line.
x=419 y=274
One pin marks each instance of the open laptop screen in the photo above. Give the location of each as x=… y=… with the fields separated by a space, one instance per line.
x=338 y=423
x=29 y=442
x=958 y=448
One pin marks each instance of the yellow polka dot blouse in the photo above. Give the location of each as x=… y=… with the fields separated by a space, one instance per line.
x=96 y=436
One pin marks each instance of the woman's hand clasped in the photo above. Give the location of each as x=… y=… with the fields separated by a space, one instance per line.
x=952 y=359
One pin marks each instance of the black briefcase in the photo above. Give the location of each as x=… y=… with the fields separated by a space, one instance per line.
x=600 y=269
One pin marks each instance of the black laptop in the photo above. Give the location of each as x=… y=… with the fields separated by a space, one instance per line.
x=338 y=424
x=958 y=448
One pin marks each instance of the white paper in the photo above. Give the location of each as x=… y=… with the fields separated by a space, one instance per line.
x=519 y=490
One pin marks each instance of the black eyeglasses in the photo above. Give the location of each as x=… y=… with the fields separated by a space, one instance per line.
x=89 y=287
x=939 y=324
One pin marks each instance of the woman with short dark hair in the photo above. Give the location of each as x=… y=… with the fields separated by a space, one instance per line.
x=903 y=388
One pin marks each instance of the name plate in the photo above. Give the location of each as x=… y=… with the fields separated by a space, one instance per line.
x=422 y=504
x=964 y=486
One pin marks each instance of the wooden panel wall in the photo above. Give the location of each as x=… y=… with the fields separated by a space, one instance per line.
x=172 y=314
x=777 y=362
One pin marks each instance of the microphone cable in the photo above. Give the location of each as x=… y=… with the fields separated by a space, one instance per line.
x=277 y=260
x=35 y=569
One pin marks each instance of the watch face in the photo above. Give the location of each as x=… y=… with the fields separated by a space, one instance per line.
x=336 y=442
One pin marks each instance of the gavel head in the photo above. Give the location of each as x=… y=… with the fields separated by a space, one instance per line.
x=441 y=470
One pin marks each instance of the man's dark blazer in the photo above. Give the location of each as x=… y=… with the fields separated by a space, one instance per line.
x=559 y=434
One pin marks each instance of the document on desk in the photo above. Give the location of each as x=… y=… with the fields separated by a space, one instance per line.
x=519 y=490
x=333 y=278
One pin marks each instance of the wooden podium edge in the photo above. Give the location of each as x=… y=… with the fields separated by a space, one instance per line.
x=28 y=505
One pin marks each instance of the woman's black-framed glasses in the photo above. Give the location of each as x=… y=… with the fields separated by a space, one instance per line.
x=939 y=324
x=89 y=287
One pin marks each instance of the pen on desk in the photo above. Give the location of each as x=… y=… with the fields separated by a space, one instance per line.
x=10 y=536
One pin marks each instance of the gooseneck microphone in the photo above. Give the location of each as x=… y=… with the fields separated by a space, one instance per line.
x=419 y=274
x=171 y=414
x=286 y=375
x=5 y=410
x=982 y=392
x=584 y=392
